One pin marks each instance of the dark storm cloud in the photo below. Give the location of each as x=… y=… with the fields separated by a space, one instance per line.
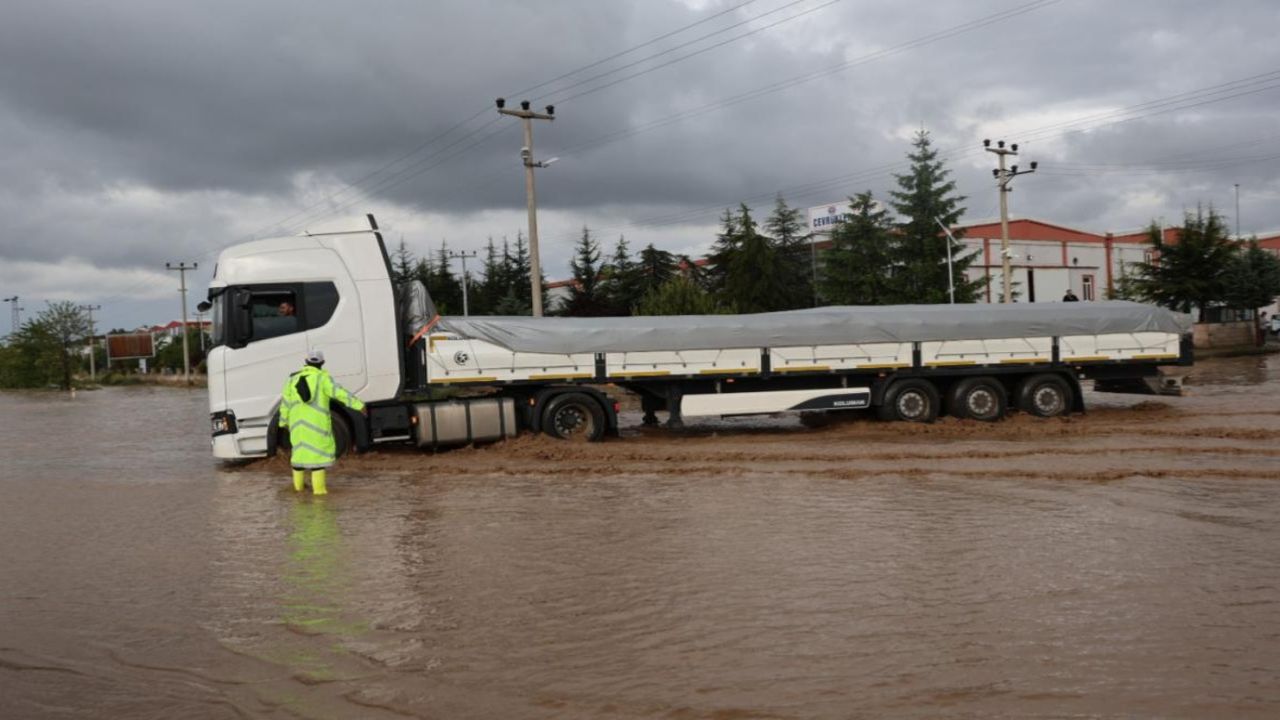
x=137 y=132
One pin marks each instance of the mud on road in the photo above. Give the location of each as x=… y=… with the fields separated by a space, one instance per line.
x=1215 y=431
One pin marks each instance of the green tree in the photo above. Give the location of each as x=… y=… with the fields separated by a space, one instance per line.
x=754 y=281
x=1189 y=273
x=45 y=350
x=1251 y=277
x=857 y=268
x=925 y=197
x=716 y=274
x=794 y=255
x=621 y=281
x=490 y=287
x=444 y=287
x=169 y=354
x=655 y=268
x=586 y=298
x=402 y=264
x=678 y=296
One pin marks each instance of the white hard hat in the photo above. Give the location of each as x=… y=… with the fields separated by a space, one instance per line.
x=315 y=357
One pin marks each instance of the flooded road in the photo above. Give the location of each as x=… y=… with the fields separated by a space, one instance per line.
x=1125 y=563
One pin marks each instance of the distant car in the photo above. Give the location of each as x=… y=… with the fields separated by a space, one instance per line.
x=1274 y=325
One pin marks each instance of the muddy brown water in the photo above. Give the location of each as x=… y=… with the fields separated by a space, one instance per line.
x=1125 y=563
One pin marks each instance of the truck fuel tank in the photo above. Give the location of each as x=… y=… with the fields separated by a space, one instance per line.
x=465 y=421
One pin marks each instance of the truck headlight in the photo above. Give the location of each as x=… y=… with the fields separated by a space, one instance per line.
x=224 y=423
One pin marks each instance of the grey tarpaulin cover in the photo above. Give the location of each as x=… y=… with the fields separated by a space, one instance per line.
x=819 y=326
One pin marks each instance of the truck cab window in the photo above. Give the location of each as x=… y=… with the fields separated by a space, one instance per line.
x=321 y=299
x=273 y=314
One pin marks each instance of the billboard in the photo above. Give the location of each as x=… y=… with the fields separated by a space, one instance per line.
x=824 y=218
x=128 y=346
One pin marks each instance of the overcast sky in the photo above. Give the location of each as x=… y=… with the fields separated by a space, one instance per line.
x=135 y=133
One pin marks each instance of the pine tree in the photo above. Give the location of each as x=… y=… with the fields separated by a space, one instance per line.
x=445 y=288
x=926 y=196
x=796 y=263
x=585 y=296
x=727 y=241
x=857 y=268
x=483 y=295
x=402 y=264
x=620 y=287
x=1252 y=277
x=655 y=268
x=1187 y=274
x=754 y=281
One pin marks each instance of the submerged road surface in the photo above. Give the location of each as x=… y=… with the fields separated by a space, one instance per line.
x=1125 y=563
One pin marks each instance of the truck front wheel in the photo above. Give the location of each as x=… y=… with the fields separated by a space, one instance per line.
x=574 y=416
x=341 y=434
x=910 y=401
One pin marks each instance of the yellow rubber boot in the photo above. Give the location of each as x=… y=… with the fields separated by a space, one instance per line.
x=299 y=481
x=317 y=483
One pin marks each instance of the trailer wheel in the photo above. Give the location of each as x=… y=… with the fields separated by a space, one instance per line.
x=978 y=398
x=1045 y=395
x=574 y=416
x=910 y=401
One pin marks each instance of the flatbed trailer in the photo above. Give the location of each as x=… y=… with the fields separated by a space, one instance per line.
x=507 y=375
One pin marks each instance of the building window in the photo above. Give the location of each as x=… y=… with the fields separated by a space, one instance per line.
x=1087 y=290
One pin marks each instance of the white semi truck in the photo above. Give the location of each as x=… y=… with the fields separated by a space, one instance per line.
x=273 y=300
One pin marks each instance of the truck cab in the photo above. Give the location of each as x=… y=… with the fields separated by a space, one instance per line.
x=273 y=300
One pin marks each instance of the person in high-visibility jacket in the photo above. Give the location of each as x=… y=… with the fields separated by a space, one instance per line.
x=304 y=410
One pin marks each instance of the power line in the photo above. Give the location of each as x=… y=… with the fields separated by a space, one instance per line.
x=692 y=54
x=812 y=75
x=461 y=123
x=630 y=50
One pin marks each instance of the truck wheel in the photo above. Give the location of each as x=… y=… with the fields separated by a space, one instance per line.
x=341 y=434
x=574 y=416
x=978 y=398
x=1045 y=395
x=910 y=401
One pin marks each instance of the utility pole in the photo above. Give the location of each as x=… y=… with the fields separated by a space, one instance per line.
x=200 y=326
x=951 y=279
x=93 y=370
x=466 y=310
x=16 y=316
x=1003 y=178
x=1237 y=211
x=526 y=155
x=182 y=269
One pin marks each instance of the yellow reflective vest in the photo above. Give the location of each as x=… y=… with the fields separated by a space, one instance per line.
x=304 y=410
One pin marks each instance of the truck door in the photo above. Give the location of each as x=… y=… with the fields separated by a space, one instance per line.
x=266 y=342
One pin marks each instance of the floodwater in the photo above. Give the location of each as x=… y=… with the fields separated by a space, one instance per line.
x=1125 y=563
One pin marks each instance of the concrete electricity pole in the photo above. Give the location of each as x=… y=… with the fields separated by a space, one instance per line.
x=466 y=310
x=93 y=369
x=1237 y=211
x=16 y=316
x=182 y=269
x=1003 y=178
x=526 y=154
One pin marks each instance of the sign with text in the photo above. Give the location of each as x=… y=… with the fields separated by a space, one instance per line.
x=824 y=218
x=127 y=346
